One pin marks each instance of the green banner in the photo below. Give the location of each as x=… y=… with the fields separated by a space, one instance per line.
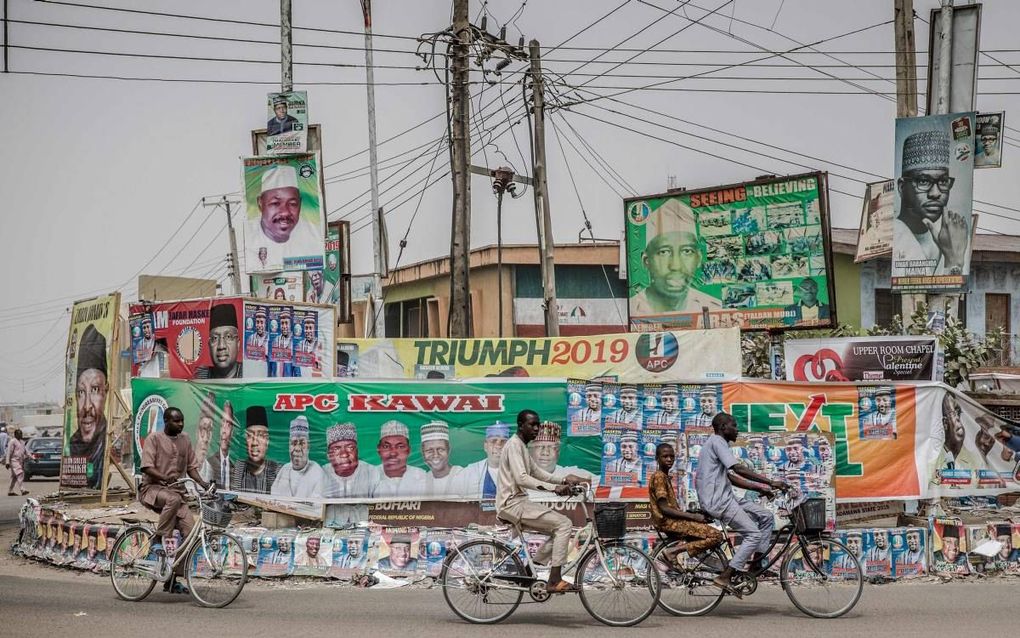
x=437 y=440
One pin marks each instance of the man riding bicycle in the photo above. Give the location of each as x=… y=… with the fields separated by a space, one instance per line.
x=166 y=457
x=518 y=473
x=718 y=472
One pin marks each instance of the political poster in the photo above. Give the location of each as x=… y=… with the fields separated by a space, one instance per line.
x=287 y=128
x=331 y=285
x=284 y=223
x=949 y=547
x=875 y=237
x=754 y=255
x=280 y=286
x=910 y=551
x=886 y=358
x=933 y=228
x=988 y=142
x=90 y=355
x=584 y=409
x=143 y=340
x=627 y=357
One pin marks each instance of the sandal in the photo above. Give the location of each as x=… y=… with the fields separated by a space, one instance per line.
x=561 y=587
x=728 y=588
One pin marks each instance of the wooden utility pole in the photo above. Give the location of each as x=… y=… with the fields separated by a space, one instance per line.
x=906 y=59
x=286 y=49
x=543 y=218
x=235 y=271
x=459 y=322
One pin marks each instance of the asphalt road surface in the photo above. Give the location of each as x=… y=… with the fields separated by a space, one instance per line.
x=11 y=505
x=45 y=601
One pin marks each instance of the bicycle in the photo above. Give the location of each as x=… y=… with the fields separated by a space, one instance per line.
x=617 y=583
x=807 y=569
x=216 y=564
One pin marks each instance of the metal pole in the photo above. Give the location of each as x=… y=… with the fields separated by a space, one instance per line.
x=376 y=329
x=6 y=38
x=499 y=256
x=286 y=49
x=460 y=235
x=945 y=57
x=543 y=217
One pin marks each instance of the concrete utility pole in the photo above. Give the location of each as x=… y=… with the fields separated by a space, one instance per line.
x=459 y=321
x=543 y=217
x=376 y=328
x=286 y=49
x=235 y=272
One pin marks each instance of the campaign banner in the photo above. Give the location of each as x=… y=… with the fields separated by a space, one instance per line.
x=90 y=355
x=280 y=286
x=631 y=358
x=988 y=149
x=143 y=340
x=226 y=338
x=365 y=440
x=284 y=223
x=875 y=237
x=934 y=225
x=949 y=547
x=287 y=128
x=906 y=358
x=754 y=255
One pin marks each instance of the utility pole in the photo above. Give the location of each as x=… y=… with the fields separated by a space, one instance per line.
x=503 y=181
x=235 y=272
x=286 y=49
x=7 y=67
x=943 y=302
x=459 y=321
x=543 y=218
x=376 y=328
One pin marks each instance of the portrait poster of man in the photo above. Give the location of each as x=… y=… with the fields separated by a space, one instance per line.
x=313 y=553
x=281 y=341
x=284 y=224
x=350 y=553
x=933 y=227
x=910 y=551
x=280 y=286
x=875 y=236
x=91 y=338
x=399 y=551
x=739 y=252
x=988 y=143
x=256 y=339
x=584 y=409
x=949 y=547
x=877 y=405
x=307 y=345
x=621 y=459
x=143 y=338
x=287 y=128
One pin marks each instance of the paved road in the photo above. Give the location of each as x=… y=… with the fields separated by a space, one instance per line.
x=49 y=602
x=11 y=505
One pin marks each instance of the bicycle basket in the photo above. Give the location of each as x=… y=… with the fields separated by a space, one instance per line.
x=809 y=516
x=611 y=520
x=217 y=513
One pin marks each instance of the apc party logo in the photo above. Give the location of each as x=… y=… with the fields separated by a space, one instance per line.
x=638 y=213
x=149 y=418
x=657 y=351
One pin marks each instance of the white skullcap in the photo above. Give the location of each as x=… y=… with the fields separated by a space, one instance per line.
x=279 y=176
x=393 y=428
x=672 y=217
x=435 y=431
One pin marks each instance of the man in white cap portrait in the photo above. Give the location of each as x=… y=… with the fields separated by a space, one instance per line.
x=307 y=352
x=881 y=422
x=279 y=229
x=347 y=476
x=147 y=344
x=672 y=257
x=925 y=230
x=282 y=122
x=628 y=414
x=629 y=461
x=301 y=477
x=398 y=479
x=435 y=449
x=545 y=453
x=256 y=347
x=480 y=477
x=709 y=407
x=592 y=412
x=669 y=408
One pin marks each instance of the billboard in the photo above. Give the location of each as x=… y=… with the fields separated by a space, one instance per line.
x=287 y=128
x=279 y=286
x=875 y=237
x=332 y=284
x=864 y=359
x=91 y=342
x=934 y=226
x=756 y=255
x=965 y=45
x=988 y=149
x=284 y=224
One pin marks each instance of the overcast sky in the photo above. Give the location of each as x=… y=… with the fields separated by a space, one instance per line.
x=98 y=174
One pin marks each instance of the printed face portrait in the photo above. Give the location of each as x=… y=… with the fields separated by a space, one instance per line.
x=594 y=399
x=280 y=108
x=226 y=426
x=628 y=450
x=534 y=544
x=343 y=457
x=545 y=454
x=493 y=447
x=883 y=403
x=913 y=541
x=672 y=260
x=853 y=542
x=315 y=277
x=393 y=452
x=950 y=548
x=223 y=345
x=203 y=434
x=280 y=209
x=794 y=453
x=436 y=454
x=925 y=193
x=353 y=550
x=708 y=404
x=260 y=325
x=312 y=546
x=824 y=451
x=91 y=396
x=808 y=289
x=952 y=424
x=881 y=540
x=309 y=329
x=400 y=555
x=284 y=325
x=298 y=453
x=669 y=402
x=628 y=400
x=147 y=330
x=1007 y=545
x=283 y=544
x=279 y=294
x=984 y=441
x=256 y=438
x=989 y=144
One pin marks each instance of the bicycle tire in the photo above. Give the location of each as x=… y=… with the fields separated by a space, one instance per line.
x=459 y=573
x=630 y=569
x=228 y=564
x=801 y=581
x=687 y=585
x=122 y=557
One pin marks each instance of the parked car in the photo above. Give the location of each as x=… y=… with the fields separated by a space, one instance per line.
x=43 y=457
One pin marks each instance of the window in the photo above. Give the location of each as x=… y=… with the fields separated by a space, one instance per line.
x=408 y=318
x=887 y=305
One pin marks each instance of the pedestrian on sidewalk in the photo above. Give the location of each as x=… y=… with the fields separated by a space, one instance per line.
x=14 y=459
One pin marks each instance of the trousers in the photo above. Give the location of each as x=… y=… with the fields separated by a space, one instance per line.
x=173 y=511
x=754 y=523
x=536 y=518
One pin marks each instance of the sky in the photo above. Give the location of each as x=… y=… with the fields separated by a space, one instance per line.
x=102 y=178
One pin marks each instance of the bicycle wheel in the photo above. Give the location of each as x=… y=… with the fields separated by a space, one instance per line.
x=217 y=570
x=622 y=591
x=132 y=546
x=483 y=581
x=687 y=588
x=816 y=583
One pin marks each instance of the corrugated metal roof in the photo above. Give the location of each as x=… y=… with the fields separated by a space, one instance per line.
x=844 y=241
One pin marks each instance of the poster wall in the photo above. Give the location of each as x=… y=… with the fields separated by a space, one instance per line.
x=905 y=358
x=933 y=229
x=287 y=128
x=89 y=364
x=756 y=255
x=636 y=358
x=284 y=225
x=875 y=237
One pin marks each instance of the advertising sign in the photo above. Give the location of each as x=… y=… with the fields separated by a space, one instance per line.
x=91 y=352
x=875 y=237
x=933 y=228
x=279 y=286
x=863 y=359
x=284 y=224
x=755 y=255
x=988 y=151
x=287 y=128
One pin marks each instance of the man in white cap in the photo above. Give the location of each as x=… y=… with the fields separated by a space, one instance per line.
x=301 y=478
x=629 y=461
x=628 y=414
x=672 y=257
x=925 y=230
x=669 y=408
x=592 y=412
x=709 y=407
x=307 y=351
x=279 y=229
x=398 y=479
x=256 y=348
x=435 y=449
x=347 y=476
x=481 y=477
x=881 y=422
x=545 y=453
x=147 y=344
